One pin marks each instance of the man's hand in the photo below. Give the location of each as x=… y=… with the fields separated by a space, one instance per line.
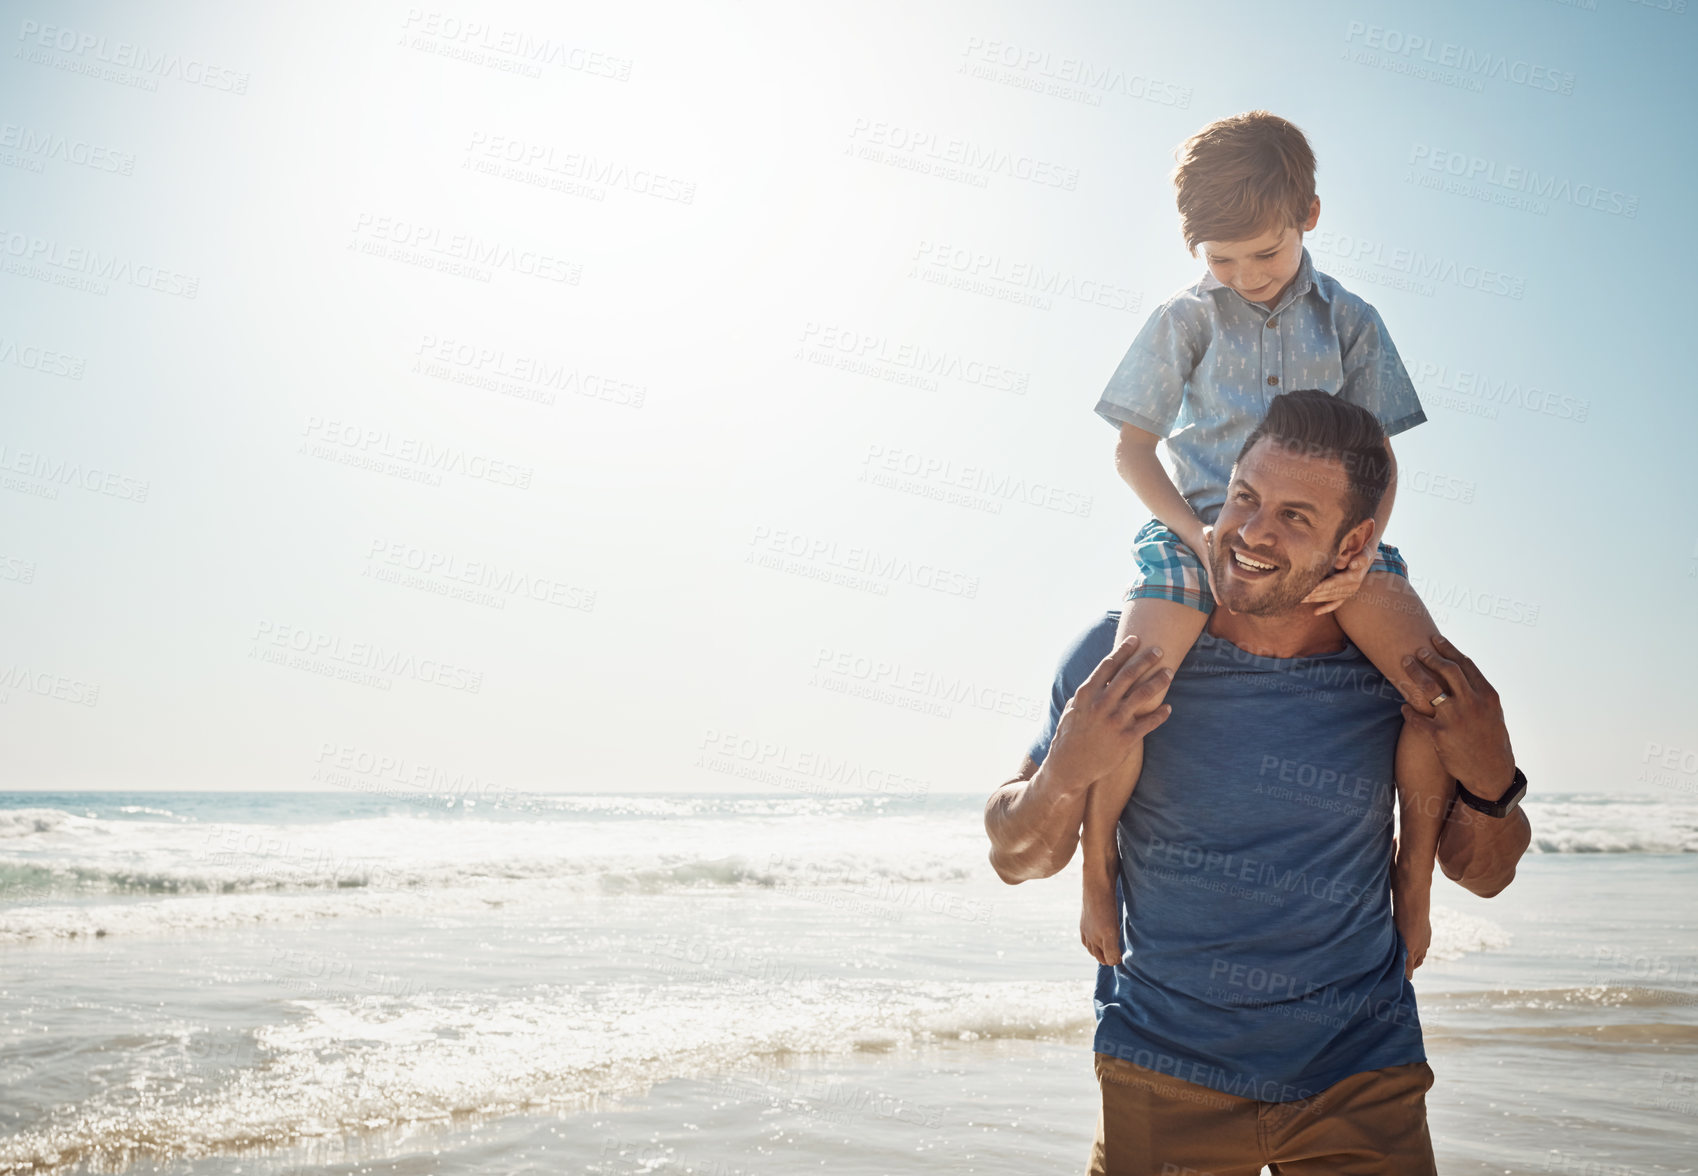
x=1119 y=704
x=1466 y=723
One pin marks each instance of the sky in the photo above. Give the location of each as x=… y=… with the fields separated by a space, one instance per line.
x=698 y=398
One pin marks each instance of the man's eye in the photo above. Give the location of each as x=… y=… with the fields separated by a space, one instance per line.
x=1295 y=517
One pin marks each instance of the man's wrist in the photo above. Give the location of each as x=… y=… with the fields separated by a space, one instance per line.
x=1491 y=786
x=1499 y=808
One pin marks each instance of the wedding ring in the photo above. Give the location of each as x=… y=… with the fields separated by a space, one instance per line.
x=1441 y=698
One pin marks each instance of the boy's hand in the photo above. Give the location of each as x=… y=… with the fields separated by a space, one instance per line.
x=1340 y=586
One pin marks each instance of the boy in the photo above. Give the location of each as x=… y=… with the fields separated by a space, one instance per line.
x=1199 y=376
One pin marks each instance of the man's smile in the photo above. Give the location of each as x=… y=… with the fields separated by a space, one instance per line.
x=1252 y=568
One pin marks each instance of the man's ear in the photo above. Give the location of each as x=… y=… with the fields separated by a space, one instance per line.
x=1355 y=541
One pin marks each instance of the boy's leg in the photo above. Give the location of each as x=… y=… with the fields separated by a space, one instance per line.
x=1173 y=628
x=1387 y=622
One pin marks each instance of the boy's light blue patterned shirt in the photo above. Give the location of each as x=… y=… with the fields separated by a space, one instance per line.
x=1207 y=363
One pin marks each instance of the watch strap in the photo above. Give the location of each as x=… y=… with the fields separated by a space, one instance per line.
x=1501 y=807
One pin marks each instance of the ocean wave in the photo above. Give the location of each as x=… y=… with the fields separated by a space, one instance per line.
x=1621 y=826
x=52 y=855
x=361 y=1063
x=1456 y=934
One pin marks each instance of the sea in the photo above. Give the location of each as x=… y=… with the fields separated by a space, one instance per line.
x=352 y=982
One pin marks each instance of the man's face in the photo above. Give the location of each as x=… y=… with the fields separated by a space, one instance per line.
x=1275 y=538
x=1260 y=267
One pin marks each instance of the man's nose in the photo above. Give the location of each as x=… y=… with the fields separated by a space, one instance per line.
x=1258 y=531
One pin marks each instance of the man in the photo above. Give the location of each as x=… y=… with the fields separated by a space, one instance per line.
x=1260 y=1011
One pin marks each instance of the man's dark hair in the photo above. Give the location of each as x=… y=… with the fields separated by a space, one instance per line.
x=1311 y=423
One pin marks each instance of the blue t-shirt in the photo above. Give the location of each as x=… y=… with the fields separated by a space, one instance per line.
x=1259 y=957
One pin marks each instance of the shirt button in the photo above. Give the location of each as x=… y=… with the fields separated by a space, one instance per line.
x=1273 y=379
x=1272 y=323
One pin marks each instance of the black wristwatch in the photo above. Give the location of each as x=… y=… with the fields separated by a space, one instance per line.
x=1501 y=807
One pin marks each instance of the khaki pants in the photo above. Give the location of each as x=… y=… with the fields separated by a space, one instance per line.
x=1369 y=1124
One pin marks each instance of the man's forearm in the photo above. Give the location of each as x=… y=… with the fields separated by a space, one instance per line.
x=1479 y=852
x=1033 y=823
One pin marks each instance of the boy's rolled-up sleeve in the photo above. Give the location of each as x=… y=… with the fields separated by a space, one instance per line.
x=1374 y=375
x=1148 y=386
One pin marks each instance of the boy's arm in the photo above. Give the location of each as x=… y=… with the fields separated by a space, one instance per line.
x=1033 y=820
x=1135 y=458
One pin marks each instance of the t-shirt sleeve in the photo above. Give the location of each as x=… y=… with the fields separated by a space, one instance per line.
x=1374 y=376
x=1083 y=656
x=1148 y=386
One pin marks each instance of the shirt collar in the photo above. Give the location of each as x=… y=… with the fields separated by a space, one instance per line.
x=1300 y=285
